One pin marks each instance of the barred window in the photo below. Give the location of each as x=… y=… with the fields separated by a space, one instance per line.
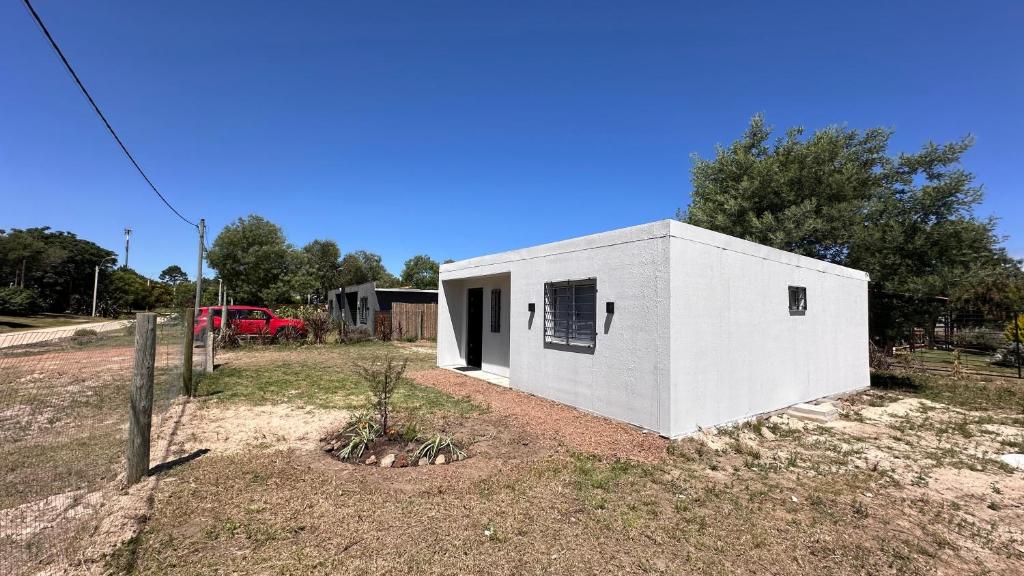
x=797 y=300
x=496 y=310
x=570 y=312
x=364 y=309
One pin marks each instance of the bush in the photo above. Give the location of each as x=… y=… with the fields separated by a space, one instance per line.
x=318 y=323
x=20 y=301
x=354 y=335
x=84 y=335
x=1015 y=330
x=436 y=444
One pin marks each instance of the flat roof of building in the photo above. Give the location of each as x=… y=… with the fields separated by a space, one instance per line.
x=492 y=263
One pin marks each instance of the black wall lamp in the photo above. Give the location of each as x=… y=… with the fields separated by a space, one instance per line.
x=609 y=307
x=530 y=307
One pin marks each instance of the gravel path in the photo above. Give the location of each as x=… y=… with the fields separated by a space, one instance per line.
x=576 y=429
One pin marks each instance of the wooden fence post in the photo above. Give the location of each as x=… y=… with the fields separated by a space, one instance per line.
x=419 y=326
x=186 y=352
x=141 y=417
x=208 y=365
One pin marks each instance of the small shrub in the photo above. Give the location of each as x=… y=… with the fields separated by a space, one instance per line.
x=363 y=429
x=437 y=444
x=356 y=334
x=318 y=323
x=357 y=444
x=86 y=333
x=383 y=375
x=1014 y=332
x=228 y=335
x=264 y=335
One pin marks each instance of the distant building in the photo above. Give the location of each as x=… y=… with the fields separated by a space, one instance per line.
x=359 y=304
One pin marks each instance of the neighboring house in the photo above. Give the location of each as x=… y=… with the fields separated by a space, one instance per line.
x=665 y=325
x=359 y=304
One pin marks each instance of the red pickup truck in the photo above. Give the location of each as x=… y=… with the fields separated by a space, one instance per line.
x=249 y=320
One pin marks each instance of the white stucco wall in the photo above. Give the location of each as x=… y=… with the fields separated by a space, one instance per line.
x=701 y=332
x=452 y=326
x=736 y=350
x=625 y=376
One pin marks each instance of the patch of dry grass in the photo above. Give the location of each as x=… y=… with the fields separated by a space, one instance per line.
x=904 y=483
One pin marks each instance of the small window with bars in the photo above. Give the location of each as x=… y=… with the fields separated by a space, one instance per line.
x=364 y=309
x=496 y=310
x=570 y=312
x=797 y=300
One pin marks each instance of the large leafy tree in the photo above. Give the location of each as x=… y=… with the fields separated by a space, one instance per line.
x=420 y=271
x=324 y=263
x=362 y=266
x=57 y=267
x=257 y=263
x=839 y=195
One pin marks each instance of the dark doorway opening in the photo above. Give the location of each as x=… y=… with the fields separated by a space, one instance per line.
x=474 y=326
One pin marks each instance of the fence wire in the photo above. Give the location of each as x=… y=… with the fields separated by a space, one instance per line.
x=64 y=400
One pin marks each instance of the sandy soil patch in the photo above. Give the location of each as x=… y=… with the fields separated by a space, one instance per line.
x=276 y=427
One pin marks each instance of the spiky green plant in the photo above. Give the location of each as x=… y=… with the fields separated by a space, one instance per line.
x=437 y=444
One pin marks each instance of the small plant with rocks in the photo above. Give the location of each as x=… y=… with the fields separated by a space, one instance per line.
x=372 y=437
x=436 y=445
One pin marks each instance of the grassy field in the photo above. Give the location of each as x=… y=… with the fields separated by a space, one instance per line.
x=319 y=377
x=971 y=361
x=20 y=323
x=906 y=482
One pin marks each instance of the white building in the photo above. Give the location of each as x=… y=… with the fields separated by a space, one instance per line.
x=665 y=325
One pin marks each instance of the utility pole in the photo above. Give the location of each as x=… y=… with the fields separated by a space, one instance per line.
x=127 y=240
x=199 y=273
x=96 y=282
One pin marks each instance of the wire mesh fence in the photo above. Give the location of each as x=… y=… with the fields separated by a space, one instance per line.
x=932 y=335
x=64 y=405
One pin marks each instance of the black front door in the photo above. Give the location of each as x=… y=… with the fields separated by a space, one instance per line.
x=474 y=326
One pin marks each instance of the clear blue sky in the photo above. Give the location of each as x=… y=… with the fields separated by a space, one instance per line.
x=462 y=128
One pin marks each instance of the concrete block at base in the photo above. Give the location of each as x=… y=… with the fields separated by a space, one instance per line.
x=814 y=412
x=1015 y=460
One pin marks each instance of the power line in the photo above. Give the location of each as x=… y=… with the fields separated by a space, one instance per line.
x=124 y=149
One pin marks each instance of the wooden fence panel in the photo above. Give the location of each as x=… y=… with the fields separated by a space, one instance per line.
x=411 y=320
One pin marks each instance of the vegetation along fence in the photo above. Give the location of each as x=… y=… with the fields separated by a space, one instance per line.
x=407 y=322
x=65 y=402
x=930 y=335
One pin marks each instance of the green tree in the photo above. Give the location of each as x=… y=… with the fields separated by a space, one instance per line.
x=123 y=291
x=256 y=262
x=421 y=271
x=838 y=195
x=324 y=263
x=173 y=275
x=57 y=266
x=362 y=266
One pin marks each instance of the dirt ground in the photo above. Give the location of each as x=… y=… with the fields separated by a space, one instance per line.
x=63 y=424
x=907 y=481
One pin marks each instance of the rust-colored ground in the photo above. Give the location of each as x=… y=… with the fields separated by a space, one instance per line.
x=550 y=421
